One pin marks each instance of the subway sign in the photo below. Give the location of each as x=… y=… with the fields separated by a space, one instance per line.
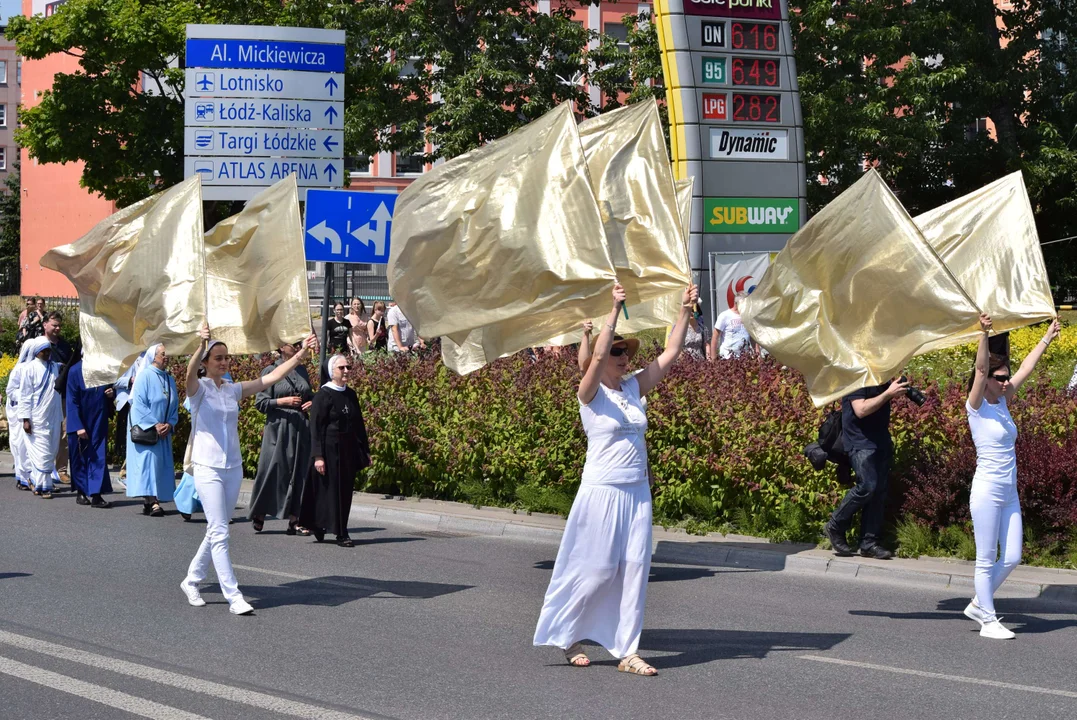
x=752 y=215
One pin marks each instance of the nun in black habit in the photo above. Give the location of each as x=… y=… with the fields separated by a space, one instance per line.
x=339 y=450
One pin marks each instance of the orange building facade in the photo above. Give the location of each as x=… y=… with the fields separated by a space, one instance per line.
x=57 y=211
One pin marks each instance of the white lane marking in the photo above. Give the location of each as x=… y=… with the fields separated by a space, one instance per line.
x=96 y=693
x=940 y=676
x=290 y=576
x=243 y=696
x=278 y=573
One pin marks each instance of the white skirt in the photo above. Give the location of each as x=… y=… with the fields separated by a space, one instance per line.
x=17 y=443
x=599 y=583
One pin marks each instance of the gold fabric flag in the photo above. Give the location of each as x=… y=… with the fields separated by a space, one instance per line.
x=139 y=277
x=632 y=182
x=637 y=197
x=661 y=311
x=507 y=234
x=854 y=294
x=988 y=239
x=256 y=280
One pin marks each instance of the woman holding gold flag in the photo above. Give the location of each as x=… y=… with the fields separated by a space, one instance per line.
x=215 y=455
x=993 y=501
x=599 y=584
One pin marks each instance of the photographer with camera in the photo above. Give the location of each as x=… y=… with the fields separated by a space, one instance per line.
x=865 y=419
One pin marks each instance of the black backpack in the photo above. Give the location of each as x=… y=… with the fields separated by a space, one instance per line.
x=829 y=446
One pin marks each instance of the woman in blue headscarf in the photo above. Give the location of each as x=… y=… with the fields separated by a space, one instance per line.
x=151 y=474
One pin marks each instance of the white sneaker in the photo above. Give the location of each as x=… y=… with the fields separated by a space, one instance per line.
x=194 y=598
x=240 y=607
x=974 y=612
x=996 y=631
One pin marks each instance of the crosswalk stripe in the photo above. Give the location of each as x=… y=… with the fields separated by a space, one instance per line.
x=265 y=701
x=96 y=693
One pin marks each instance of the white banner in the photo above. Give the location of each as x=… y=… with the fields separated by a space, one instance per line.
x=749 y=144
x=733 y=274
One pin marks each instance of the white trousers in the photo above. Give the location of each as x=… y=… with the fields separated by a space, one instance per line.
x=996 y=523
x=218 y=489
x=599 y=584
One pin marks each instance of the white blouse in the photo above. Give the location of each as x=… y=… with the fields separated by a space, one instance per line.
x=216 y=432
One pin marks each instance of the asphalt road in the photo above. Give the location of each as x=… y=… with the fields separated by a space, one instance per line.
x=410 y=624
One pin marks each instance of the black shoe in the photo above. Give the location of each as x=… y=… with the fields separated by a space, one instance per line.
x=837 y=540
x=186 y=516
x=319 y=534
x=99 y=502
x=82 y=499
x=345 y=541
x=876 y=551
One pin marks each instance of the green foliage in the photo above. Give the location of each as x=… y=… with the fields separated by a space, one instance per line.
x=906 y=87
x=958 y=542
x=456 y=74
x=914 y=539
x=11 y=216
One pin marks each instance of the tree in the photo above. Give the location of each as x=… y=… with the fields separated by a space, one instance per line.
x=10 y=227
x=121 y=112
x=908 y=87
x=456 y=73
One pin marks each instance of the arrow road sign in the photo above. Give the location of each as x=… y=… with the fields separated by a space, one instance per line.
x=346 y=226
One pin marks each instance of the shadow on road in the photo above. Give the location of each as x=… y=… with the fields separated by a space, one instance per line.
x=1020 y=614
x=662 y=573
x=697 y=647
x=5 y=576
x=335 y=590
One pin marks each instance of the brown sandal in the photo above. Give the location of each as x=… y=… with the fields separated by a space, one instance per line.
x=576 y=656
x=637 y=666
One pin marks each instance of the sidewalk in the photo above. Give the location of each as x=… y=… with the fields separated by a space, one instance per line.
x=449 y=519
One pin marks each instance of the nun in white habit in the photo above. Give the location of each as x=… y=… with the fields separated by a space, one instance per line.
x=16 y=436
x=599 y=585
x=41 y=413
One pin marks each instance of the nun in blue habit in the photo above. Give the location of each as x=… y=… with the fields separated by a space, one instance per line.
x=88 y=411
x=151 y=473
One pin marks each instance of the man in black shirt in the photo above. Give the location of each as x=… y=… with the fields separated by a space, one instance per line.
x=865 y=420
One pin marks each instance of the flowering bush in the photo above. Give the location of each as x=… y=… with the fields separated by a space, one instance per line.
x=725 y=441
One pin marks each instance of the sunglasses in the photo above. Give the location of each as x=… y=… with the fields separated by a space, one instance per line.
x=618 y=351
x=1001 y=378
x=345 y=367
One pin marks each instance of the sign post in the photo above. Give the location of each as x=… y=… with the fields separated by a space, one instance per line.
x=735 y=122
x=262 y=103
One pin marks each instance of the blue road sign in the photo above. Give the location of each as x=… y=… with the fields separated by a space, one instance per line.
x=264 y=55
x=350 y=227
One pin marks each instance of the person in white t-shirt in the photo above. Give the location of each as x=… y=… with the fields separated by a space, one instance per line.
x=730 y=338
x=599 y=583
x=215 y=455
x=993 y=501
x=402 y=337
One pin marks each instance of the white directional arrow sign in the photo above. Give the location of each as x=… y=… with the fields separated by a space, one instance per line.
x=323 y=233
x=348 y=226
x=376 y=231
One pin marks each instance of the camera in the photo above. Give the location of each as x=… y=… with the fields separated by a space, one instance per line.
x=914 y=394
